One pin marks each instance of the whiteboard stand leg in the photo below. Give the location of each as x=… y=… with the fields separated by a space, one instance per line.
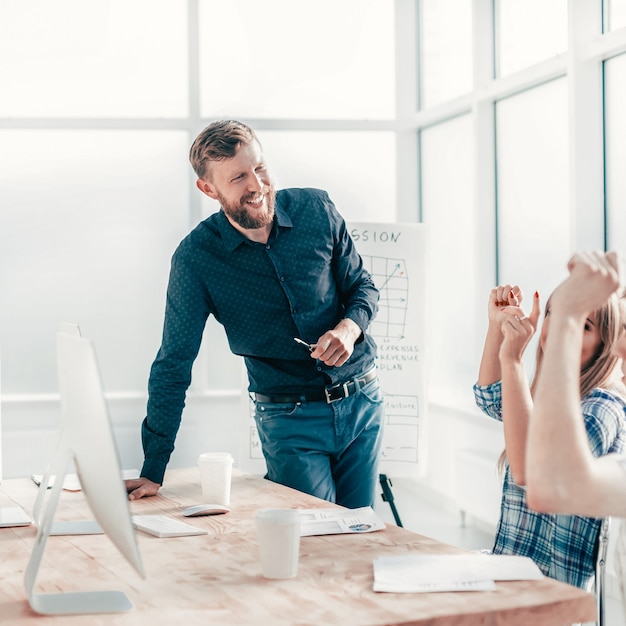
x=387 y=496
x=463 y=519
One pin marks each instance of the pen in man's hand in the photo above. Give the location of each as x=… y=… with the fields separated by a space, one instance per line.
x=304 y=343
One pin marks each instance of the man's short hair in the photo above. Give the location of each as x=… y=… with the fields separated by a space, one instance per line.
x=217 y=142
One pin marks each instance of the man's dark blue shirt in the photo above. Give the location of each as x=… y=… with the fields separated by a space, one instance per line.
x=301 y=283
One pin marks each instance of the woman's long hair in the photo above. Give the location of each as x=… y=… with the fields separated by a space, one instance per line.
x=598 y=372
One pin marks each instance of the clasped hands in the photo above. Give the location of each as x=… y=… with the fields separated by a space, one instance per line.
x=506 y=313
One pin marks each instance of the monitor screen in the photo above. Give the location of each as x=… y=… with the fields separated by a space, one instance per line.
x=89 y=435
x=65 y=527
x=46 y=479
x=90 y=444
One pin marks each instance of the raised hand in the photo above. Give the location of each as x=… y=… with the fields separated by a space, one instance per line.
x=500 y=298
x=518 y=329
x=594 y=276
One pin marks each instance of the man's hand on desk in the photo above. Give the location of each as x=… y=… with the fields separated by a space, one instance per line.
x=140 y=488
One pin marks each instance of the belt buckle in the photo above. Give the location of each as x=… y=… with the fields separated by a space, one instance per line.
x=328 y=390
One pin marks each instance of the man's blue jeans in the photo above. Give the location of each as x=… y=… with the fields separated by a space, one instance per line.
x=328 y=450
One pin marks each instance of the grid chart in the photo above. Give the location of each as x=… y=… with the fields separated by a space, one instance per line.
x=391 y=278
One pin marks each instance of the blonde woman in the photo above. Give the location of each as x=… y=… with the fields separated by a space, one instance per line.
x=563 y=476
x=563 y=546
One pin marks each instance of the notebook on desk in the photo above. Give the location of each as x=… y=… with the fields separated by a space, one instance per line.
x=14 y=516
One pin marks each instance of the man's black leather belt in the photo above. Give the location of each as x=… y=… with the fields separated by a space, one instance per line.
x=328 y=394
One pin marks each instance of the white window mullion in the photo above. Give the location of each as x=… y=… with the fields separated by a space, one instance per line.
x=605 y=46
x=195 y=124
x=586 y=148
x=484 y=160
x=406 y=25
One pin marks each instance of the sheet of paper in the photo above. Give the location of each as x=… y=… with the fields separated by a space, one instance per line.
x=436 y=587
x=339 y=521
x=450 y=572
x=14 y=516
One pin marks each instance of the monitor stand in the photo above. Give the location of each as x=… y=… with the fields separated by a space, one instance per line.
x=64 y=603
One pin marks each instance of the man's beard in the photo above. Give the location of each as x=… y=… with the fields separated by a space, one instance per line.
x=247 y=218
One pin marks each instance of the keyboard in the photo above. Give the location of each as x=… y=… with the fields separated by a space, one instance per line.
x=165 y=526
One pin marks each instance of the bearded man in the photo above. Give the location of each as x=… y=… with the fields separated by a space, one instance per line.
x=272 y=266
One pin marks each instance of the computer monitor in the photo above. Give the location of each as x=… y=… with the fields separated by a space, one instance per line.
x=69 y=328
x=73 y=527
x=89 y=443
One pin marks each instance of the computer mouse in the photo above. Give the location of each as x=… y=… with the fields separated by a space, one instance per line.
x=205 y=509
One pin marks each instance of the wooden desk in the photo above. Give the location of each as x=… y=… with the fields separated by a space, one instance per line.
x=216 y=578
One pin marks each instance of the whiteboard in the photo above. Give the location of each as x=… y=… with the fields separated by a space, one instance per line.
x=396 y=256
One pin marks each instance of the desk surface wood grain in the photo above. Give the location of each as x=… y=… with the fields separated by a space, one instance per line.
x=216 y=578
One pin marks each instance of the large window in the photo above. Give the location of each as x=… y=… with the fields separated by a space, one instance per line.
x=283 y=59
x=615 y=14
x=100 y=103
x=74 y=59
x=521 y=154
x=448 y=209
x=88 y=221
x=532 y=190
x=498 y=123
x=445 y=40
x=528 y=32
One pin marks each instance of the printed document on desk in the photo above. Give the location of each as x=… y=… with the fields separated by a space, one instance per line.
x=450 y=572
x=14 y=516
x=339 y=521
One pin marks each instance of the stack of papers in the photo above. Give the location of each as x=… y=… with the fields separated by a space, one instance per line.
x=450 y=572
x=339 y=521
x=14 y=516
x=71 y=482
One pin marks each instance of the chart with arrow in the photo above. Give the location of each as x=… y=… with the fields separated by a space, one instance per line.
x=396 y=256
x=392 y=279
